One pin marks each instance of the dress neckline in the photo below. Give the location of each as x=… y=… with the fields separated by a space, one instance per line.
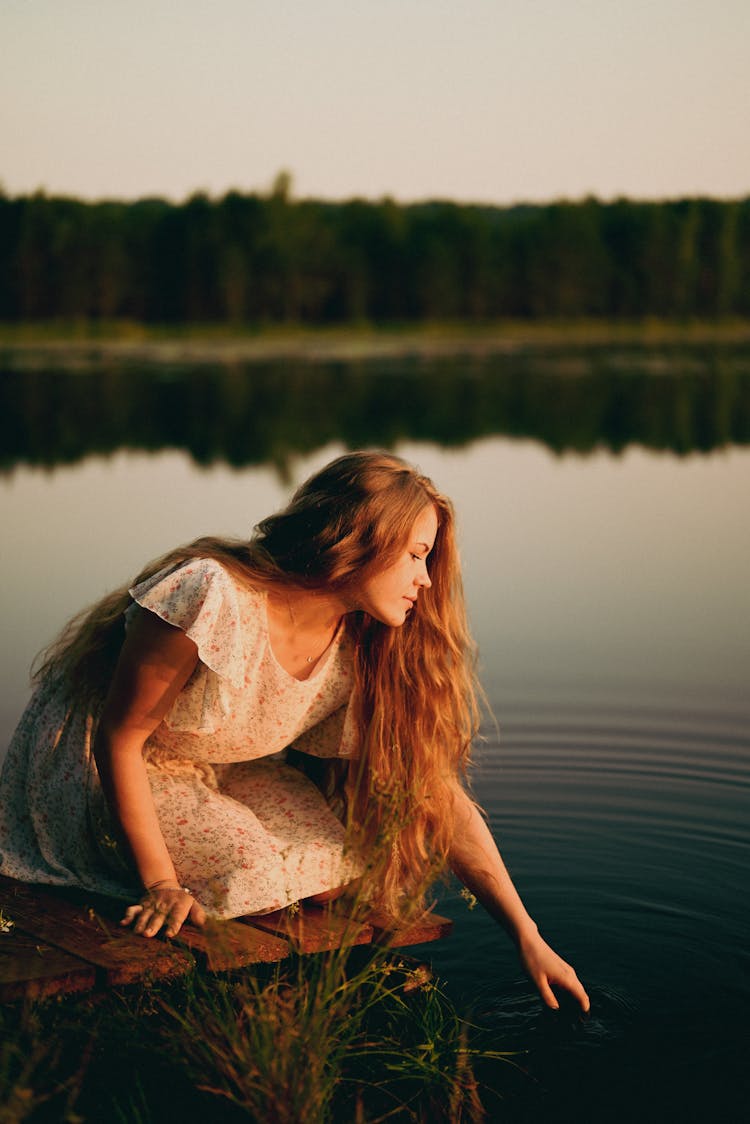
x=323 y=660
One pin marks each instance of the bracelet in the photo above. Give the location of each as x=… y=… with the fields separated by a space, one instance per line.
x=160 y=886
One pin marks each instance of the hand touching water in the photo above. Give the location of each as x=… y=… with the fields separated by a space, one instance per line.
x=477 y=862
x=548 y=970
x=164 y=905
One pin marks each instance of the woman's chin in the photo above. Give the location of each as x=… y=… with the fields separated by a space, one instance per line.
x=393 y=619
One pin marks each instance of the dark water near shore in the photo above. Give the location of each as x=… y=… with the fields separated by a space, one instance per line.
x=606 y=541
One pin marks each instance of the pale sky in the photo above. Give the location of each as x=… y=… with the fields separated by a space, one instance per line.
x=477 y=100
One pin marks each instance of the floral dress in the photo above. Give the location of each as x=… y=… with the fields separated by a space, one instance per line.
x=247 y=832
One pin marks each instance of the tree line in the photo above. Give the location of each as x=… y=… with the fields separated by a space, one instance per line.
x=268 y=258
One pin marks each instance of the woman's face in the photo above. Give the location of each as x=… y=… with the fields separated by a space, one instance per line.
x=390 y=594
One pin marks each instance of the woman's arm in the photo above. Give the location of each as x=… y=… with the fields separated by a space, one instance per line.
x=476 y=861
x=155 y=663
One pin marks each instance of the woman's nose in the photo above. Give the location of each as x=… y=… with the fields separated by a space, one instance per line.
x=423 y=579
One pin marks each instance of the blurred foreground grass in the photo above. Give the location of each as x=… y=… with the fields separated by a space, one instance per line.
x=357 y=1035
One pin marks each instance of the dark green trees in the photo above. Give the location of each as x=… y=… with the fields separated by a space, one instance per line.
x=254 y=259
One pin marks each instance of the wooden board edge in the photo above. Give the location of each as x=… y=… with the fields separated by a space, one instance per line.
x=312 y=928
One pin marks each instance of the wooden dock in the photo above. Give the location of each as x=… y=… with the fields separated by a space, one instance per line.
x=56 y=941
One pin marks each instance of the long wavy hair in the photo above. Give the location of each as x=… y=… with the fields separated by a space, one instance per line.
x=415 y=690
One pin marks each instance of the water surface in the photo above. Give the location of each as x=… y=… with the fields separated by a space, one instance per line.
x=607 y=586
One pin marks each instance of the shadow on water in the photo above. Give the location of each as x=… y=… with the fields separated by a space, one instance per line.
x=268 y=413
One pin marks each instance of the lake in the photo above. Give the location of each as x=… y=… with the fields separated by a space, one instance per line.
x=603 y=510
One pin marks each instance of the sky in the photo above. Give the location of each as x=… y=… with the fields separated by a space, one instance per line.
x=494 y=101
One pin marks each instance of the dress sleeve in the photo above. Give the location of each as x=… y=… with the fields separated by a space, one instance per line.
x=200 y=598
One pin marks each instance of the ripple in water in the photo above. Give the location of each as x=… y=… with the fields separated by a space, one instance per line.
x=628 y=834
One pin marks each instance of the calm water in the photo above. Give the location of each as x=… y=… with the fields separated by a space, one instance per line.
x=607 y=583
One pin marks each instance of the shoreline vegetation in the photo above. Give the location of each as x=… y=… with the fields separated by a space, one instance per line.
x=355 y=1032
x=72 y=343
x=344 y=1035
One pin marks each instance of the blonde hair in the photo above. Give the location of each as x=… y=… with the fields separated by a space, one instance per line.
x=415 y=692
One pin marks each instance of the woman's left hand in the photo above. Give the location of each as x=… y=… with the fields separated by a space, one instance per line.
x=476 y=861
x=548 y=970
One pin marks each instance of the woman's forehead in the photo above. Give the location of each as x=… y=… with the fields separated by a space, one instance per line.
x=424 y=528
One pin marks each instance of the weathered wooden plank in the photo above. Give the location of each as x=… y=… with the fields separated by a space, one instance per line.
x=69 y=941
x=34 y=970
x=228 y=944
x=312 y=928
x=431 y=927
x=90 y=932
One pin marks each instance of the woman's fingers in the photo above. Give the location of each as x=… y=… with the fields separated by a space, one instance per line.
x=549 y=970
x=179 y=913
x=167 y=909
x=150 y=921
x=197 y=914
x=130 y=914
x=577 y=990
x=547 y=994
x=570 y=982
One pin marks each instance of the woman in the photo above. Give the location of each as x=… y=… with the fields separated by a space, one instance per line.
x=167 y=752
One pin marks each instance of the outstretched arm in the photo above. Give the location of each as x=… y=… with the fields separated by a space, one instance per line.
x=476 y=861
x=155 y=663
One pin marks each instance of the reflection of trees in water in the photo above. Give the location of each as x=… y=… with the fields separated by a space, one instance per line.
x=266 y=413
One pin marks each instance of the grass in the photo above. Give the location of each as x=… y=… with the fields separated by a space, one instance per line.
x=358 y=1035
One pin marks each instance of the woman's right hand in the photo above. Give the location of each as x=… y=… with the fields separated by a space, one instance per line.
x=155 y=663
x=169 y=906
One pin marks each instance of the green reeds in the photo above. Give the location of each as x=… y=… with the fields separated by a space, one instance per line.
x=342 y=1035
x=351 y=1034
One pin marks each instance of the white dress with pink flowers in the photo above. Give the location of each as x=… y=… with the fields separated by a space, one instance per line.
x=247 y=832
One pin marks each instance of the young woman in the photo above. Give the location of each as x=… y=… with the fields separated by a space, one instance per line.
x=168 y=754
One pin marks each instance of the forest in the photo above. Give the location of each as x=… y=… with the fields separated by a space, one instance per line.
x=254 y=259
